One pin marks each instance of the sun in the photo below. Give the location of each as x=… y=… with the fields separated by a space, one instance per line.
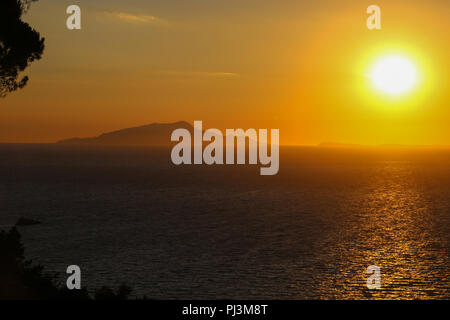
x=394 y=75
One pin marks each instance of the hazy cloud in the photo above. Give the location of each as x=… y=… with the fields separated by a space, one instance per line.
x=133 y=18
x=200 y=74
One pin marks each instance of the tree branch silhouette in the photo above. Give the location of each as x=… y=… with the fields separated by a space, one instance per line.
x=20 y=45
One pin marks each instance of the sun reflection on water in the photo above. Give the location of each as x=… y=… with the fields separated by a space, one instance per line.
x=393 y=233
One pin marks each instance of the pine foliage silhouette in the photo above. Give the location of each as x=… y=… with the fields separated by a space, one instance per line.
x=20 y=45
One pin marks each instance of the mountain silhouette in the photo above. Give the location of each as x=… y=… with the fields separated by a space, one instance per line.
x=155 y=134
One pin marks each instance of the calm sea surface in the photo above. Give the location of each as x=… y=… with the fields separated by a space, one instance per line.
x=129 y=215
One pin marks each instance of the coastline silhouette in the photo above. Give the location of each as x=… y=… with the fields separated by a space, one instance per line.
x=155 y=134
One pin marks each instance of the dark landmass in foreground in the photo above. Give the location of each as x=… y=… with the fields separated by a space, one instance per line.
x=20 y=279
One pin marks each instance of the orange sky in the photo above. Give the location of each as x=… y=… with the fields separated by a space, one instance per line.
x=263 y=64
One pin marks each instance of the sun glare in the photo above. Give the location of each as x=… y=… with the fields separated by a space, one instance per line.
x=394 y=75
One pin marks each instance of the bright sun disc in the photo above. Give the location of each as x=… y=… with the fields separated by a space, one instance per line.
x=394 y=75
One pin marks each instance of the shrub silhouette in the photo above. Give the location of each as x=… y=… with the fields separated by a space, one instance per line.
x=106 y=293
x=20 y=279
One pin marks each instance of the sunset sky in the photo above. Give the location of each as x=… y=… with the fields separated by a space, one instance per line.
x=300 y=66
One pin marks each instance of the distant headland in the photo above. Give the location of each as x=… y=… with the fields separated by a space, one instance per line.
x=155 y=134
x=158 y=134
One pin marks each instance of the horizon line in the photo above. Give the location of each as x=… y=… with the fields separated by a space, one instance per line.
x=329 y=145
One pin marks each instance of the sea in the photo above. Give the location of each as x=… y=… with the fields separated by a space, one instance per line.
x=128 y=215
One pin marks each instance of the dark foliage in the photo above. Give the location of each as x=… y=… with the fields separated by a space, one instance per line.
x=20 y=45
x=106 y=293
x=20 y=279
